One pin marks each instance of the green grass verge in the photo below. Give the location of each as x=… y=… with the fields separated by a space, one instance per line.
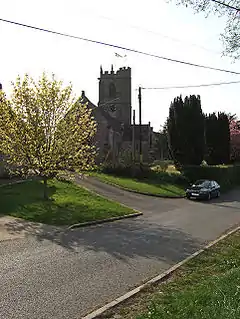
x=69 y=203
x=206 y=287
x=150 y=186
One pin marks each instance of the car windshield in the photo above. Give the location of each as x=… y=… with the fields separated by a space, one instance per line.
x=202 y=183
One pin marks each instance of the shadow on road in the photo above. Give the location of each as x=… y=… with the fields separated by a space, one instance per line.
x=122 y=239
x=228 y=200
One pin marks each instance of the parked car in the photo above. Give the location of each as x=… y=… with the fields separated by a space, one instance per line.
x=203 y=189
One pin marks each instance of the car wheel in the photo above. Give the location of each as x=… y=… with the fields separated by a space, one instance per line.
x=209 y=196
x=218 y=193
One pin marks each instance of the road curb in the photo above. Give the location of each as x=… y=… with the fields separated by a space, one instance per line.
x=161 y=277
x=137 y=192
x=17 y=182
x=106 y=220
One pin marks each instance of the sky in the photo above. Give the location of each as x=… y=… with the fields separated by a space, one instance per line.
x=153 y=26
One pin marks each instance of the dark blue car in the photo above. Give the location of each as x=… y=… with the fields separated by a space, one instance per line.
x=203 y=189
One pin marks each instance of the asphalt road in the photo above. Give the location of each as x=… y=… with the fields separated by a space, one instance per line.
x=68 y=274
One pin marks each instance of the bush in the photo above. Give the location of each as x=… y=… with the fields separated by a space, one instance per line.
x=169 y=178
x=163 y=166
x=204 y=163
x=162 y=162
x=159 y=168
x=131 y=170
x=226 y=176
x=143 y=172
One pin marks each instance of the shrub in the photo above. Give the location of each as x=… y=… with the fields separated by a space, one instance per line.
x=143 y=172
x=130 y=170
x=169 y=177
x=162 y=162
x=204 y=163
x=226 y=176
x=163 y=166
x=159 y=168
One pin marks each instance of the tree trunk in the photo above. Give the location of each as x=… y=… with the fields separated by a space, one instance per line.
x=45 y=194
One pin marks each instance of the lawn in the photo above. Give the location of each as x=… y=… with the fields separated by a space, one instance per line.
x=69 y=203
x=150 y=186
x=206 y=287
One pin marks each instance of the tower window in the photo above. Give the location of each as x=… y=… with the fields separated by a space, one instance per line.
x=112 y=90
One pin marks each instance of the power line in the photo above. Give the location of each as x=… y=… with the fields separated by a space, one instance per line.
x=119 y=47
x=226 y=5
x=189 y=86
x=158 y=34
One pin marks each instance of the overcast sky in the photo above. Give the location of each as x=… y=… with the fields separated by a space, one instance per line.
x=153 y=26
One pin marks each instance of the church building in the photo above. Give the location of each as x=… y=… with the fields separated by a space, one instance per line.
x=113 y=115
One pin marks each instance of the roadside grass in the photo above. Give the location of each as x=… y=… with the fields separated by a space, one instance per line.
x=153 y=186
x=68 y=203
x=207 y=287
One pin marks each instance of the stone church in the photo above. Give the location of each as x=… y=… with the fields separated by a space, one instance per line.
x=113 y=115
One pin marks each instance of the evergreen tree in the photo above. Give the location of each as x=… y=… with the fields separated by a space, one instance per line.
x=224 y=138
x=211 y=129
x=175 y=128
x=186 y=131
x=217 y=138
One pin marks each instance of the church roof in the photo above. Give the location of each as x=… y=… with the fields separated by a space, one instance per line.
x=98 y=110
x=83 y=99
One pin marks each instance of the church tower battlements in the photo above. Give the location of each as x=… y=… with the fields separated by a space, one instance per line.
x=115 y=93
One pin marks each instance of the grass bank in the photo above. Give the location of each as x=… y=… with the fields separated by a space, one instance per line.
x=206 y=287
x=154 y=185
x=69 y=203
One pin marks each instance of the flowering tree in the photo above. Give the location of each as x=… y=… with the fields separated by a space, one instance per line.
x=44 y=131
x=228 y=9
x=235 y=140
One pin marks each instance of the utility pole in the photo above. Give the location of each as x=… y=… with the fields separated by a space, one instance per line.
x=140 y=123
x=133 y=137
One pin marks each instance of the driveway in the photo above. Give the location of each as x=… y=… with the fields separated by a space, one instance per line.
x=66 y=274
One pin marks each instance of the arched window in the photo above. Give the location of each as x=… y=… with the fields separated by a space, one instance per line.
x=112 y=91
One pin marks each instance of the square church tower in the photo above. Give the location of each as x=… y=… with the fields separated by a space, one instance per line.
x=115 y=94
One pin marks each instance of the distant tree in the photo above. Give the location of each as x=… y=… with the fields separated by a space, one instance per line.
x=160 y=144
x=232 y=117
x=186 y=131
x=43 y=130
x=234 y=126
x=217 y=134
x=175 y=131
x=211 y=129
x=231 y=35
x=224 y=137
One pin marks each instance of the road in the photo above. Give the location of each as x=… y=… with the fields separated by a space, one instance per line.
x=66 y=274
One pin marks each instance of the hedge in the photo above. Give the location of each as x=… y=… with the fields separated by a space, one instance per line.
x=226 y=176
x=131 y=170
